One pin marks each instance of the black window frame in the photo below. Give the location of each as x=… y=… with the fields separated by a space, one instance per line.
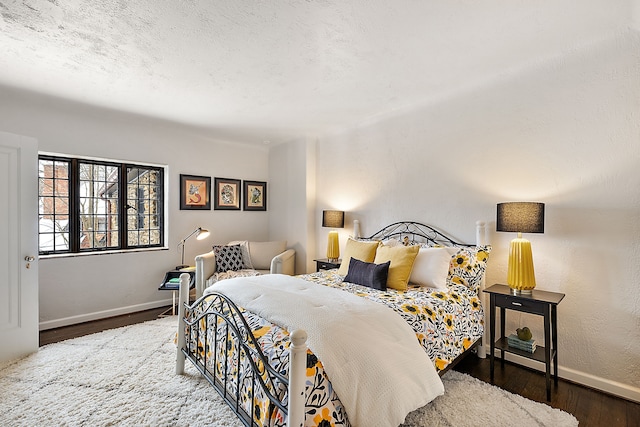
x=75 y=214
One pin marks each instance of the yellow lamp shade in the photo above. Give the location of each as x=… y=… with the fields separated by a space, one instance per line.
x=520 y=274
x=333 y=245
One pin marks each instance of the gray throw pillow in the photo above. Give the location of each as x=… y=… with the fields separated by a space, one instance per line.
x=368 y=274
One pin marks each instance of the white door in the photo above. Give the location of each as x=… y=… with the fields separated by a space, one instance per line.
x=18 y=244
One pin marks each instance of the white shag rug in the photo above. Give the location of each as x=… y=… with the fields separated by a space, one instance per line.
x=126 y=377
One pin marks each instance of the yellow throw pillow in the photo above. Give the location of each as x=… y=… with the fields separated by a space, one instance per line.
x=402 y=258
x=359 y=249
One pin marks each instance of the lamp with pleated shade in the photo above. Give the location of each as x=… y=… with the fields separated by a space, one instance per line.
x=520 y=217
x=333 y=219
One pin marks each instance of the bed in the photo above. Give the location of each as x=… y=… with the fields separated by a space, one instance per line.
x=237 y=336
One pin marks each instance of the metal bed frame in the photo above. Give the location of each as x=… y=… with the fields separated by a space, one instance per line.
x=410 y=233
x=285 y=392
x=235 y=332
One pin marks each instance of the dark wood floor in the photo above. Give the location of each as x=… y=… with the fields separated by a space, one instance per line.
x=67 y=332
x=590 y=407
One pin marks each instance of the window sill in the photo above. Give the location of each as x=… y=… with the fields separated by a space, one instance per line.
x=116 y=251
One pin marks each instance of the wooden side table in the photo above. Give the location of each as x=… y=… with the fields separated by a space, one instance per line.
x=326 y=264
x=541 y=303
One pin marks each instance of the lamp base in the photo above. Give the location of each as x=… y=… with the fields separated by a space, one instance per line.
x=333 y=246
x=520 y=275
x=521 y=291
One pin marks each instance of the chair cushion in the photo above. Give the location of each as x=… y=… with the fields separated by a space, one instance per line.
x=263 y=252
x=221 y=275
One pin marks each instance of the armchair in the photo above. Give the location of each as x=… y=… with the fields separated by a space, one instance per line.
x=266 y=257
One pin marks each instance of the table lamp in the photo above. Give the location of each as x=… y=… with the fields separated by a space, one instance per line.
x=333 y=219
x=201 y=234
x=520 y=217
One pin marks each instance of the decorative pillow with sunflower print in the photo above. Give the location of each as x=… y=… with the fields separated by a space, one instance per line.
x=467 y=267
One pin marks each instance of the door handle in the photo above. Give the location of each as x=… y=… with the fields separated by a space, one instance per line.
x=29 y=260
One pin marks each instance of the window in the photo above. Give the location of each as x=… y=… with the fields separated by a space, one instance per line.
x=93 y=205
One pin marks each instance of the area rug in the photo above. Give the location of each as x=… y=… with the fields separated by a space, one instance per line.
x=125 y=377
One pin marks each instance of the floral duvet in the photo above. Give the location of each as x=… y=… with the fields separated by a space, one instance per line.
x=446 y=323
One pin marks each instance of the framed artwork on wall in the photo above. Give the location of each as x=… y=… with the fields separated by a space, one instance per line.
x=195 y=192
x=255 y=196
x=228 y=193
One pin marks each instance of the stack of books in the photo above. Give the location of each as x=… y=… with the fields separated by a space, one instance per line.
x=516 y=342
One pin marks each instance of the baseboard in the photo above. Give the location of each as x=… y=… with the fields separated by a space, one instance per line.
x=615 y=388
x=66 y=321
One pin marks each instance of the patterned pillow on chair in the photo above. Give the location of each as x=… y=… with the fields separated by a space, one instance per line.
x=228 y=257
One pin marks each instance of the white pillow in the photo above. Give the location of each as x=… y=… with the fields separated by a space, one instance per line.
x=431 y=268
x=392 y=243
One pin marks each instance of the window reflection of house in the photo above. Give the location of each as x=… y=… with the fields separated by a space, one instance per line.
x=53 y=234
x=142 y=206
x=53 y=215
x=97 y=226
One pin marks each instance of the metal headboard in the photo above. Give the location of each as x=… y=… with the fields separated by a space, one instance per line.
x=412 y=233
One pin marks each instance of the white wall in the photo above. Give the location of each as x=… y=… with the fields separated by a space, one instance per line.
x=562 y=130
x=292 y=198
x=74 y=289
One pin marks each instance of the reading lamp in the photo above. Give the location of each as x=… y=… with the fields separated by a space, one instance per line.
x=520 y=217
x=333 y=219
x=201 y=234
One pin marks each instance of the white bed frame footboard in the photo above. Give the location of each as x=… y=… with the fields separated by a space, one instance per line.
x=298 y=351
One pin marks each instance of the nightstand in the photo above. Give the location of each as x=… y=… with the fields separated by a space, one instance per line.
x=541 y=303
x=325 y=264
x=171 y=283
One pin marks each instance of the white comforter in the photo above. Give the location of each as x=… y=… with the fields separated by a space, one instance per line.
x=371 y=356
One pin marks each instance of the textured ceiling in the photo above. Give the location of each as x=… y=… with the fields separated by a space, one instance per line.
x=250 y=71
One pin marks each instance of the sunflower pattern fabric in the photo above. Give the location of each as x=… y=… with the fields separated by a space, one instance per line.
x=446 y=323
x=467 y=267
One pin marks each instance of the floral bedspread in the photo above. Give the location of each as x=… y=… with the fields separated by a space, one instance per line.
x=446 y=323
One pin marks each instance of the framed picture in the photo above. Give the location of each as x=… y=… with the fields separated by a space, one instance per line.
x=195 y=192
x=227 y=194
x=255 y=196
